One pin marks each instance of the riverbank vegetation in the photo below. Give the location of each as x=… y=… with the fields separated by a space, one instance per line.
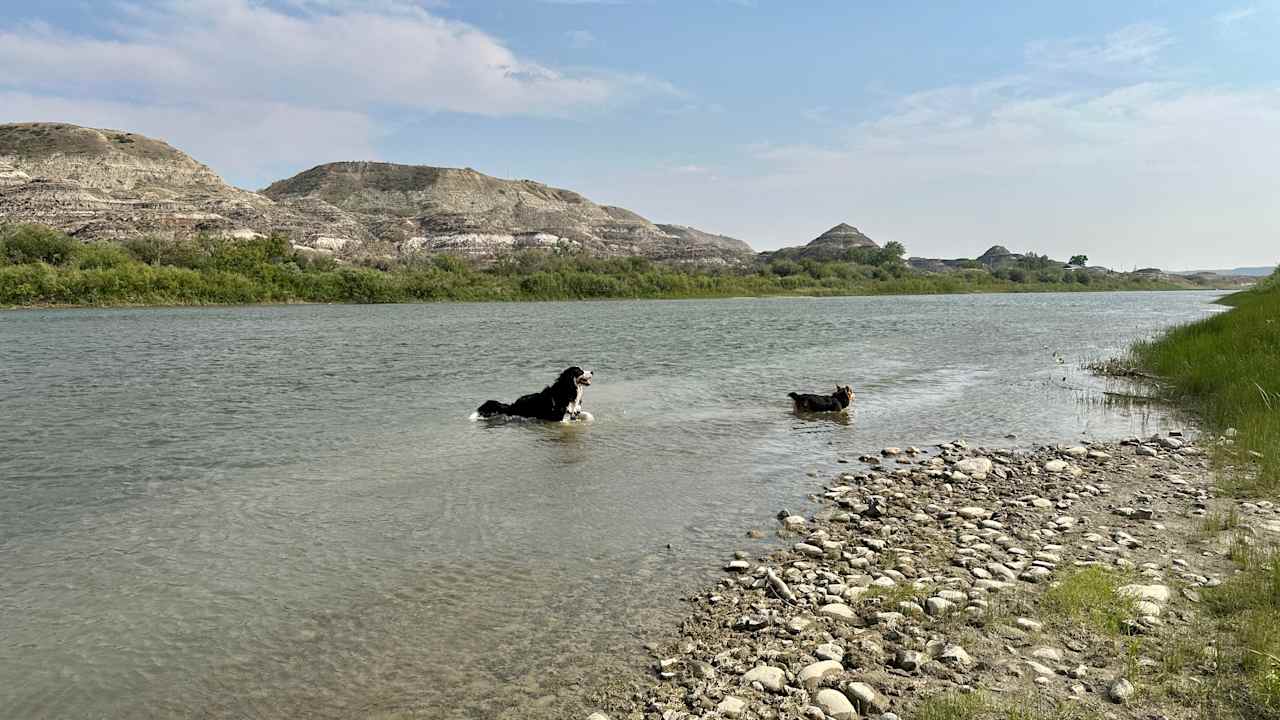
x=1227 y=370
x=41 y=266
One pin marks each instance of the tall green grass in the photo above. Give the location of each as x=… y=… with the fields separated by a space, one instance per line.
x=1227 y=370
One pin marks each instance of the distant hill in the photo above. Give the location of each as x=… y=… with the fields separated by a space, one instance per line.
x=1234 y=272
x=834 y=244
x=112 y=184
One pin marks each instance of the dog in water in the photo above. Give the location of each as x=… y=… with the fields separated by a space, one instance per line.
x=561 y=400
x=838 y=401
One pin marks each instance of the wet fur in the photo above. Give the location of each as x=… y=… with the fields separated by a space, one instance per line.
x=561 y=400
x=838 y=401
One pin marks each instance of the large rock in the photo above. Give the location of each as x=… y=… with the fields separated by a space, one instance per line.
x=812 y=675
x=974 y=466
x=1158 y=594
x=836 y=705
x=771 y=678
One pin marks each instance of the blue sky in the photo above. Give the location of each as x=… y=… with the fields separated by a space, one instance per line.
x=1140 y=133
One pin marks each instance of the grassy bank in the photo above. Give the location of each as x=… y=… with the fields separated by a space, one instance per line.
x=1227 y=369
x=40 y=266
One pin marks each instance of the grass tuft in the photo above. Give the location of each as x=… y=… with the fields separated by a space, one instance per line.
x=1216 y=521
x=1089 y=597
x=953 y=706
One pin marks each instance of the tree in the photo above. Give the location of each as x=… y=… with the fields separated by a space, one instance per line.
x=892 y=253
x=1080 y=260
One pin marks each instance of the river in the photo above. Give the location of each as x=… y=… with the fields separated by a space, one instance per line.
x=286 y=512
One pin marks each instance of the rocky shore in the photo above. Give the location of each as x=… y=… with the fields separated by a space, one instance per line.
x=964 y=582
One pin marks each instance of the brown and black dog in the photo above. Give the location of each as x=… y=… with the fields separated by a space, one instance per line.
x=838 y=401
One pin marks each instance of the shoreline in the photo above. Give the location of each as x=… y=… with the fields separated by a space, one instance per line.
x=673 y=298
x=1053 y=580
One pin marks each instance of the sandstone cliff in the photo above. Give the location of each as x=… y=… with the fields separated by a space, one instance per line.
x=109 y=184
x=462 y=211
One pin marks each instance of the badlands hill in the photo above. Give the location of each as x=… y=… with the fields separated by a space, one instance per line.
x=112 y=185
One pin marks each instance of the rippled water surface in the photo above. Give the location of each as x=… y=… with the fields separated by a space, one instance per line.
x=285 y=512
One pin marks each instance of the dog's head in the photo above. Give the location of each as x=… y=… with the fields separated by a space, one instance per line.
x=575 y=376
x=844 y=393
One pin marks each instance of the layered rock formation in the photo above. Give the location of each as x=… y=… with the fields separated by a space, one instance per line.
x=833 y=244
x=108 y=184
x=462 y=211
x=840 y=238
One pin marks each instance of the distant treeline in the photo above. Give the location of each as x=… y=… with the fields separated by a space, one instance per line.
x=41 y=266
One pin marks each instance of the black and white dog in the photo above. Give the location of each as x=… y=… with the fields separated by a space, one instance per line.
x=838 y=401
x=561 y=400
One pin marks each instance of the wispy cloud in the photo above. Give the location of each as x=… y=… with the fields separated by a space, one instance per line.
x=581 y=39
x=1135 y=45
x=1231 y=17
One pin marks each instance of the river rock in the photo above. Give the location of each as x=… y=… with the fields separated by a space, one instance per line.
x=974 y=466
x=955 y=656
x=1047 y=653
x=869 y=701
x=1056 y=466
x=731 y=706
x=773 y=679
x=835 y=704
x=909 y=660
x=813 y=674
x=838 y=611
x=793 y=522
x=1121 y=691
x=973 y=512
x=936 y=606
x=1158 y=594
x=828 y=651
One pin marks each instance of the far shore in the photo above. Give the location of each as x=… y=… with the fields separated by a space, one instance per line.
x=1048 y=290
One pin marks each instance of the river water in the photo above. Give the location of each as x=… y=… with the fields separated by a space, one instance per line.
x=285 y=512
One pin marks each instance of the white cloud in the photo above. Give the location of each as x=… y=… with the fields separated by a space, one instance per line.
x=1231 y=17
x=324 y=54
x=284 y=84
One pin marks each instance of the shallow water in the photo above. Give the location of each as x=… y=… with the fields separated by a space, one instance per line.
x=285 y=512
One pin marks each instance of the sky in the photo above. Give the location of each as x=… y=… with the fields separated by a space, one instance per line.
x=1139 y=133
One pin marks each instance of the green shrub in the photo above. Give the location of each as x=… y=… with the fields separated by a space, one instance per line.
x=96 y=256
x=152 y=250
x=35 y=243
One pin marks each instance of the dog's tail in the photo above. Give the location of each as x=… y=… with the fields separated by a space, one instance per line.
x=491 y=408
x=794 y=396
